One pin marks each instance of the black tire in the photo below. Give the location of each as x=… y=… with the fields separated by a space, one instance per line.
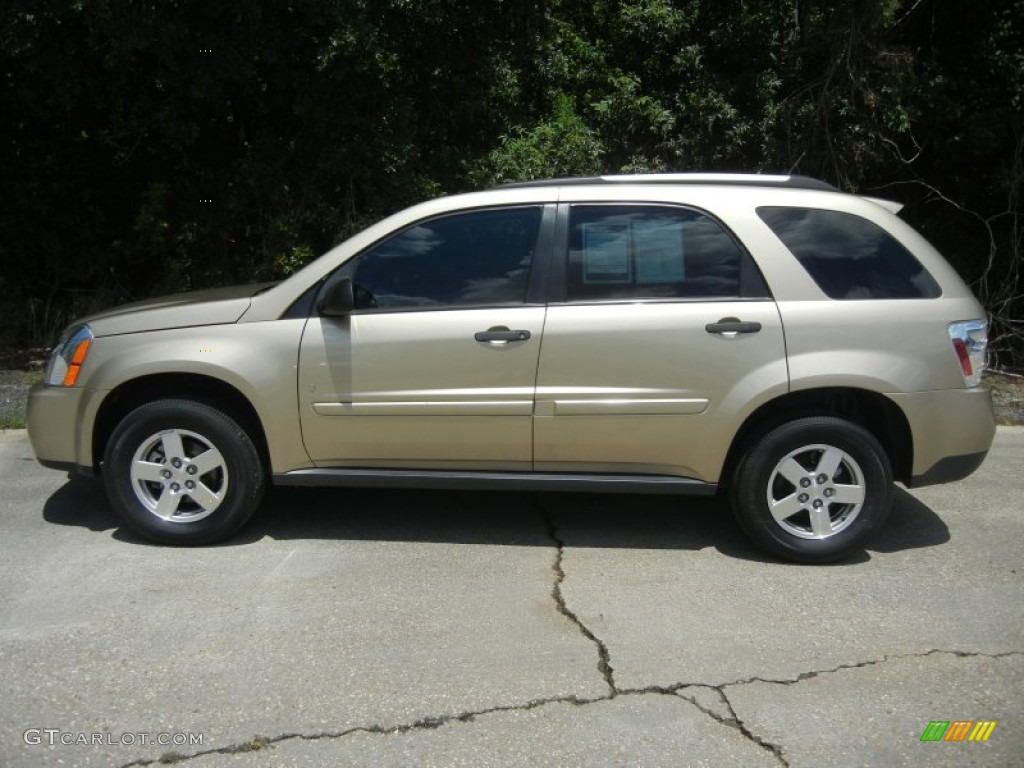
x=228 y=483
x=827 y=521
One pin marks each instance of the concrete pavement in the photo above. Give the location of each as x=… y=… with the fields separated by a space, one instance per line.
x=406 y=628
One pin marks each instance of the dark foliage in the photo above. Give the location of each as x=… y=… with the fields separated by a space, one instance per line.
x=160 y=147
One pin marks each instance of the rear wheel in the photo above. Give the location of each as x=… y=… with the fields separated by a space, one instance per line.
x=812 y=490
x=182 y=472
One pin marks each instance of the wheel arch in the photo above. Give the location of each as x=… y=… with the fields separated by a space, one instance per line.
x=873 y=411
x=161 y=386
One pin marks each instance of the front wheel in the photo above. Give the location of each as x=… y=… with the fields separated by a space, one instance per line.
x=182 y=472
x=813 y=489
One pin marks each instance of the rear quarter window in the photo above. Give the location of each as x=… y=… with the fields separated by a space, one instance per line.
x=848 y=256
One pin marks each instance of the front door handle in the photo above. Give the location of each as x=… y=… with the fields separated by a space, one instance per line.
x=731 y=325
x=502 y=334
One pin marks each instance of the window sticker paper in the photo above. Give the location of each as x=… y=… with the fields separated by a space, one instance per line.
x=658 y=251
x=606 y=253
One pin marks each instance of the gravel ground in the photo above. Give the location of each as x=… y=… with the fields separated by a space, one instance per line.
x=1008 y=396
x=14 y=386
x=19 y=370
x=1007 y=391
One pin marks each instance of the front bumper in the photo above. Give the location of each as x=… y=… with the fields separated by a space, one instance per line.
x=60 y=423
x=952 y=431
x=949 y=469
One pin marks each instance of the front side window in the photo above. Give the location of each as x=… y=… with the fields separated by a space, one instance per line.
x=654 y=252
x=466 y=259
x=850 y=257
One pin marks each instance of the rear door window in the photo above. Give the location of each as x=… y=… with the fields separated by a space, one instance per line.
x=655 y=252
x=848 y=256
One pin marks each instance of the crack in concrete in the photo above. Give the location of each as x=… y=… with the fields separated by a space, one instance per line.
x=604 y=665
x=429 y=723
x=433 y=722
x=870 y=663
x=732 y=720
x=604 y=657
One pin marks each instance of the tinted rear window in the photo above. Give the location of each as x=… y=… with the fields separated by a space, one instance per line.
x=850 y=257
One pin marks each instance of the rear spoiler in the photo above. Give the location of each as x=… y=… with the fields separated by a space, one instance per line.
x=890 y=205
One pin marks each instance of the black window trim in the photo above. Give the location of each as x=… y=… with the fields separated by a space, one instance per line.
x=559 y=286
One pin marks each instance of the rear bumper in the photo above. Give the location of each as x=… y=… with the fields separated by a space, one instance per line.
x=952 y=432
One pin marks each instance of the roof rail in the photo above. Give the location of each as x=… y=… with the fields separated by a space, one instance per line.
x=731 y=179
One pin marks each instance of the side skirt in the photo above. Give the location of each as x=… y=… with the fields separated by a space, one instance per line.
x=495 y=481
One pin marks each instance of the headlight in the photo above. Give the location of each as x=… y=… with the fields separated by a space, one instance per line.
x=66 y=360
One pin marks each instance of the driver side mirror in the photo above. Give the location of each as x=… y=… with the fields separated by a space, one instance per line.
x=338 y=299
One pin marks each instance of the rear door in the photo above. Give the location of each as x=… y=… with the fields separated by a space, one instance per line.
x=660 y=339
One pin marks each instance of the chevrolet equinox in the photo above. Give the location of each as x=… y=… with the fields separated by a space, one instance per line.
x=771 y=338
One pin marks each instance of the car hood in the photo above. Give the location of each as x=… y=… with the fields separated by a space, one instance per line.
x=181 y=310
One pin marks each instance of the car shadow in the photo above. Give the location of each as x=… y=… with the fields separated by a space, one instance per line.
x=501 y=518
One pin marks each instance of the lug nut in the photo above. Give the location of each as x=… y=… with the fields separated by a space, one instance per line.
x=191 y=469
x=190 y=484
x=166 y=474
x=822 y=479
x=175 y=487
x=802 y=498
x=818 y=503
x=830 y=492
x=805 y=482
x=176 y=462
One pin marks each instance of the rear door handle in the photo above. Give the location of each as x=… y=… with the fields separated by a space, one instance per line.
x=501 y=335
x=728 y=325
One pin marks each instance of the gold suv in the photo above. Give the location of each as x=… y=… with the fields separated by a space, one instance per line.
x=767 y=336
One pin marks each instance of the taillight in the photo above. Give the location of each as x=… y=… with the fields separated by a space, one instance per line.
x=970 y=344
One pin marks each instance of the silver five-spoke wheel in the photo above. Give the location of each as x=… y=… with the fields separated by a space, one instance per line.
x=816 y=491
x=182 y=472
x=812 y=489
x=179 y=476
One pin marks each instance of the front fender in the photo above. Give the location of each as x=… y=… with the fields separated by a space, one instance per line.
x=259 y=360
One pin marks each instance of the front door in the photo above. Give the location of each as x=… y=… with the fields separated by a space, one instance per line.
x=436 y=367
